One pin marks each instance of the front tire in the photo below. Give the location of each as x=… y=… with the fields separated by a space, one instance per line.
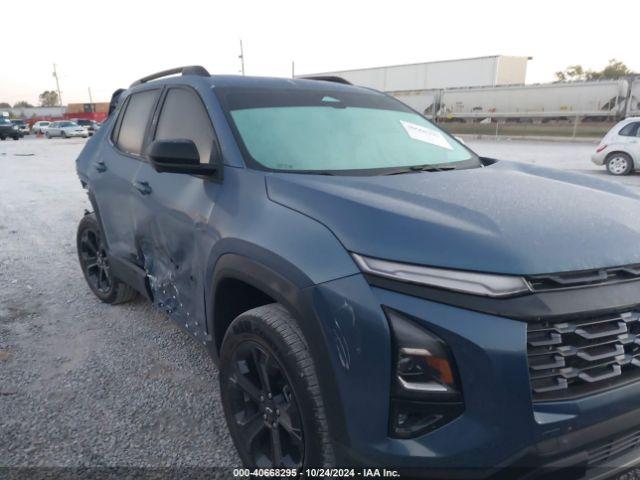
x=619 y=164
x=94 y=262
x=48 y=135
x=270 y=392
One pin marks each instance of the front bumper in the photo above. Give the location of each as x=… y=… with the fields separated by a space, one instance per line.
x=501 y=432
x=77 y=134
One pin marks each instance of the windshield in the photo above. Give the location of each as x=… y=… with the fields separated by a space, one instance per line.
x=18 y=122
x=4 y=121
x=337 y=131
x=68 y=124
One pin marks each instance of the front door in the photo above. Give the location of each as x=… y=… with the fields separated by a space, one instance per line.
x=172 y=223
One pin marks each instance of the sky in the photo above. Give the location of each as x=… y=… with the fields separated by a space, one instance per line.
x=105 y=45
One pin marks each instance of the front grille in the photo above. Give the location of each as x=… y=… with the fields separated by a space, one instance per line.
x=584 y=278
x=613 y=448
x=579 y=357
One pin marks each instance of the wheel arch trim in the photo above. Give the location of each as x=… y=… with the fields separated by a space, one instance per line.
x=297 y=300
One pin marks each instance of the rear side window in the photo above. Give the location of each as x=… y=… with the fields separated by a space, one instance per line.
x=183 y=116
x=134 y=121
x=631 y=130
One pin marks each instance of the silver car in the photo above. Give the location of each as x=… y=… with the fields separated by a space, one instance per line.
x=619 y=150
x=66 y=129
x=40 y=127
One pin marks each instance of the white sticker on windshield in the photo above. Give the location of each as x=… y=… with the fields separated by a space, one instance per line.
x=427 y=135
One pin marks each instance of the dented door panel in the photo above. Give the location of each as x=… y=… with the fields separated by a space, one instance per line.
x=172 y=228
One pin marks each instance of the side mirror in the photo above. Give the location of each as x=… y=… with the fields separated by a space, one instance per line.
x=178 y=156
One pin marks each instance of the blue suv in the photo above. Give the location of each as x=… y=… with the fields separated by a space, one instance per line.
x=373 y=292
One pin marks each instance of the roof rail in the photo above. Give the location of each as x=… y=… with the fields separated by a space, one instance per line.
x=188 y=70
x=328 y=78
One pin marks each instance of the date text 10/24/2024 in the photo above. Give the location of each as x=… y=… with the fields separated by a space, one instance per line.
x=315 y=473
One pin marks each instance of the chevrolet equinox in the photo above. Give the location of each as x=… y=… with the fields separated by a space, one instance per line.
x=373 y=292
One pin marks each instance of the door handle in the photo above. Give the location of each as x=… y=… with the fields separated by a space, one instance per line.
x=100 y=166
x=143 y=187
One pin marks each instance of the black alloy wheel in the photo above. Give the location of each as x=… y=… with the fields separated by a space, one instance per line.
x=95 y=265
x=94 y=261
x=264 y=409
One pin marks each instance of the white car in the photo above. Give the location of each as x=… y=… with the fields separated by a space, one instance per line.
x=66 y=129
x=40 y=127
x=619 y=150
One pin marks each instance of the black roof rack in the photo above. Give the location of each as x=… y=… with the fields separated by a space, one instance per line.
x=328 y=78
x=189 y=70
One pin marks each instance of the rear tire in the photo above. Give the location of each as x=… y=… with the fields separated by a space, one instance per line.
x=270 y=392
x=63 y=134
x=619 y=163
x=94 y=262
x=47 y=135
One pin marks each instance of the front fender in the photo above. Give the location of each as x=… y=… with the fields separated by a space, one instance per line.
x=301 y=302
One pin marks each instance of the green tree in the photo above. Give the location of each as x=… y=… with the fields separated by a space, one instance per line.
x=572 y=73
x=49 y=98
x=22 y=104
x=4 y=105
x=615 y=69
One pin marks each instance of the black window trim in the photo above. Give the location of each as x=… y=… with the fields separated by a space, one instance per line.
x=115 y=131
x=153 y=126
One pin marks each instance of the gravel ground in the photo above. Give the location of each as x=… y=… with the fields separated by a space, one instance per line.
x=87 y=384
x=81 y=382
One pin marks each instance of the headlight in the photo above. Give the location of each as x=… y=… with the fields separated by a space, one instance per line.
x=426 y=390
x=484 y=284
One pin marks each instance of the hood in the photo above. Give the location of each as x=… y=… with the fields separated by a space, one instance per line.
x=505 y=218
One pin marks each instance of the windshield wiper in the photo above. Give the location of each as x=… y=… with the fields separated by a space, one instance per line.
x=434 y=167
x=309 y=172
x=431 y=168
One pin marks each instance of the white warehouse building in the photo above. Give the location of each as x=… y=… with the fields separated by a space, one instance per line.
x=468 y=72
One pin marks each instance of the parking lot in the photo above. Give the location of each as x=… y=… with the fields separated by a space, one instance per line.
x=83 y=383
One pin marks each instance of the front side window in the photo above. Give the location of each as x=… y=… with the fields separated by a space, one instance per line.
x=337 y=131
x=134 y=121
x=183 y=116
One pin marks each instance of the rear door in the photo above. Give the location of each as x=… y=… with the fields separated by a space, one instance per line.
x=172 y=217
x=112 y=174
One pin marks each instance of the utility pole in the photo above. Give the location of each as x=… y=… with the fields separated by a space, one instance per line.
x=55 y=74
x=93 y=109
x=241 y=57
x=293 y=69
